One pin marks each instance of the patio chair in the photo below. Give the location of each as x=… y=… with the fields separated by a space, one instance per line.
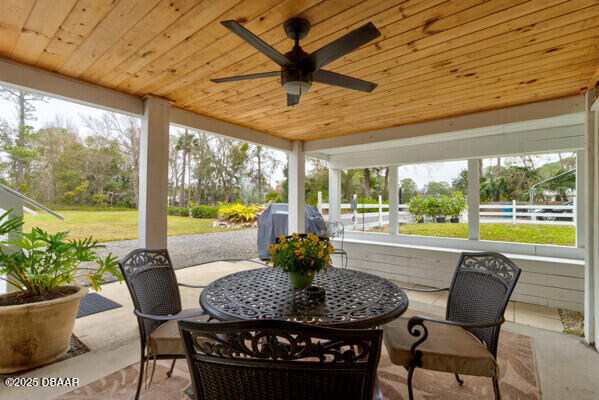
x=465 y=342
x=336 y=230
x=273 y=359
x=154 y=289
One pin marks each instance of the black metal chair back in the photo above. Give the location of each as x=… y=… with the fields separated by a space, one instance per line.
x=271 y=359
x=152 y=284
x=479 y=292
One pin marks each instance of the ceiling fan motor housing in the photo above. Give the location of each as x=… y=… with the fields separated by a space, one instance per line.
x=296 y=81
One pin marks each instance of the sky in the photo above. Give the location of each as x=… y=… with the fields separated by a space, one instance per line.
x=47 y=112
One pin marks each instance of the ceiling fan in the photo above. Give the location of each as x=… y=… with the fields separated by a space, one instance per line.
x=298 y=68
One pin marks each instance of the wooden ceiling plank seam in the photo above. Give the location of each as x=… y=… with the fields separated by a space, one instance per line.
x=594 y=79
x=12 y=18
x=171 y=38
x=314 y=40
x=346 y=72
x=151 y=25
x=210 y=33
x=41 y=25
x=232 y=45
x=80 y=22
x=476 y=46
x=119 y=20
x=212 y=57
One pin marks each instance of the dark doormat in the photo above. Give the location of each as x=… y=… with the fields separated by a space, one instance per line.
x=94 y=303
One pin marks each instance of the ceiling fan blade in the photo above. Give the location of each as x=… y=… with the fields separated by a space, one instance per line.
x=335 y=79
x=343 y=45
x=292 y=99
x=258 y=43
x=244 y=77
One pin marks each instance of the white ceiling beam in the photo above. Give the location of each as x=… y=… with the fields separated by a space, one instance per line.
x=54 y=85
x=566 y=138
x=187 y=119
x=476 y=121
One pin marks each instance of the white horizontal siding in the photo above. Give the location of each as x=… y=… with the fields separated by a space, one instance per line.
x=552 y=283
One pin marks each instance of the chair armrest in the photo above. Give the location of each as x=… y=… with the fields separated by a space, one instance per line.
x=417 y=329
x=192 y=286
x=167 y=317
x=424 y=290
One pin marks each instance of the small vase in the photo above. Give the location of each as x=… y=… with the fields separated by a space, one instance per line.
x=299 y=280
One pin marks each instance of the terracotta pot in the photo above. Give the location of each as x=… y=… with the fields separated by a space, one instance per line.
x=36 y=334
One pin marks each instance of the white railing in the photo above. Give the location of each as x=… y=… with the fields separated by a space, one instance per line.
x=489 y=213
x=528 y=214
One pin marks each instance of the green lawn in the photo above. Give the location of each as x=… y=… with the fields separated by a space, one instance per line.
x=540 y=234
x=106 y=226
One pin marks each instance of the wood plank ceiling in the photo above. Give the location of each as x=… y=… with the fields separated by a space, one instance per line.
x=435 y=58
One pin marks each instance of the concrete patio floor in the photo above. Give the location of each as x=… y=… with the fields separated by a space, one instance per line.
x=567 y=368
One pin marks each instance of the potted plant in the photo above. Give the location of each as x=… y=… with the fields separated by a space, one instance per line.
x=417 y=208
x=301 y=257
x=433 y=209
x=457 y=204
x=36 y=321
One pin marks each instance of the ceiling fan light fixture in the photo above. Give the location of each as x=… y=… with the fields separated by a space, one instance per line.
x=296 y=87
x=295 y=81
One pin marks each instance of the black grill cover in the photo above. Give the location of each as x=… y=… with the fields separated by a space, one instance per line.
x=272 y=223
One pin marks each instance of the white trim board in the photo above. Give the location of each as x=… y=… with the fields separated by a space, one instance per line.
x=64 y=88
x=563 y=138
x=470 y=124
x=521 y=250
x=187 y=119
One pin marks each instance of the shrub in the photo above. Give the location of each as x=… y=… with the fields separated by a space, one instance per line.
x=100 y=200
x=273 y=197
x=454 y=204
x=179 y=211
x=237 y=212
x=432 y=207
x=204 y=212
x=417 y=206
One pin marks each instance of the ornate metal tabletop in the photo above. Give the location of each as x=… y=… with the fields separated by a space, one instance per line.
x=353 y=299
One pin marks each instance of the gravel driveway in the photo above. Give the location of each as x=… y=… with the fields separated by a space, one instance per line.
x=188 y=250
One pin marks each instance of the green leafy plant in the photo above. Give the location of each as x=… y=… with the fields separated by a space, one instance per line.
x=454 y=205
x=237 y=212
x=417 y=206
x=304 y=254
x=432 y=207
x=272 y=197
x=204 y=212
x=39 y=262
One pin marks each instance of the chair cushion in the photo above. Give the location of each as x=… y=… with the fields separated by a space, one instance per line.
x=166 y=340
x=448 y=348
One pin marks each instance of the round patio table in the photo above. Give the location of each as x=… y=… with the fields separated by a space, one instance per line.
x=353 y=299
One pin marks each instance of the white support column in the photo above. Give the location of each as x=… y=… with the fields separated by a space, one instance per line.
x=334 y=194
x=153 y=174
x=297 y=189
x=393 y=199
x=591 y=277
x=473 y=199
x=579 y=208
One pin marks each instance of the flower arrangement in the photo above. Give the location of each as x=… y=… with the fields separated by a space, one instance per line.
x=301 y=256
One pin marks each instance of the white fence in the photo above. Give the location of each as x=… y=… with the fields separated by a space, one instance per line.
x=489 y=213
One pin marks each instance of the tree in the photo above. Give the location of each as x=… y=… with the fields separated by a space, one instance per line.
x=437 y=188
x=23 y=103
x=460 y=183
x=408 y=188
x=126 y=131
